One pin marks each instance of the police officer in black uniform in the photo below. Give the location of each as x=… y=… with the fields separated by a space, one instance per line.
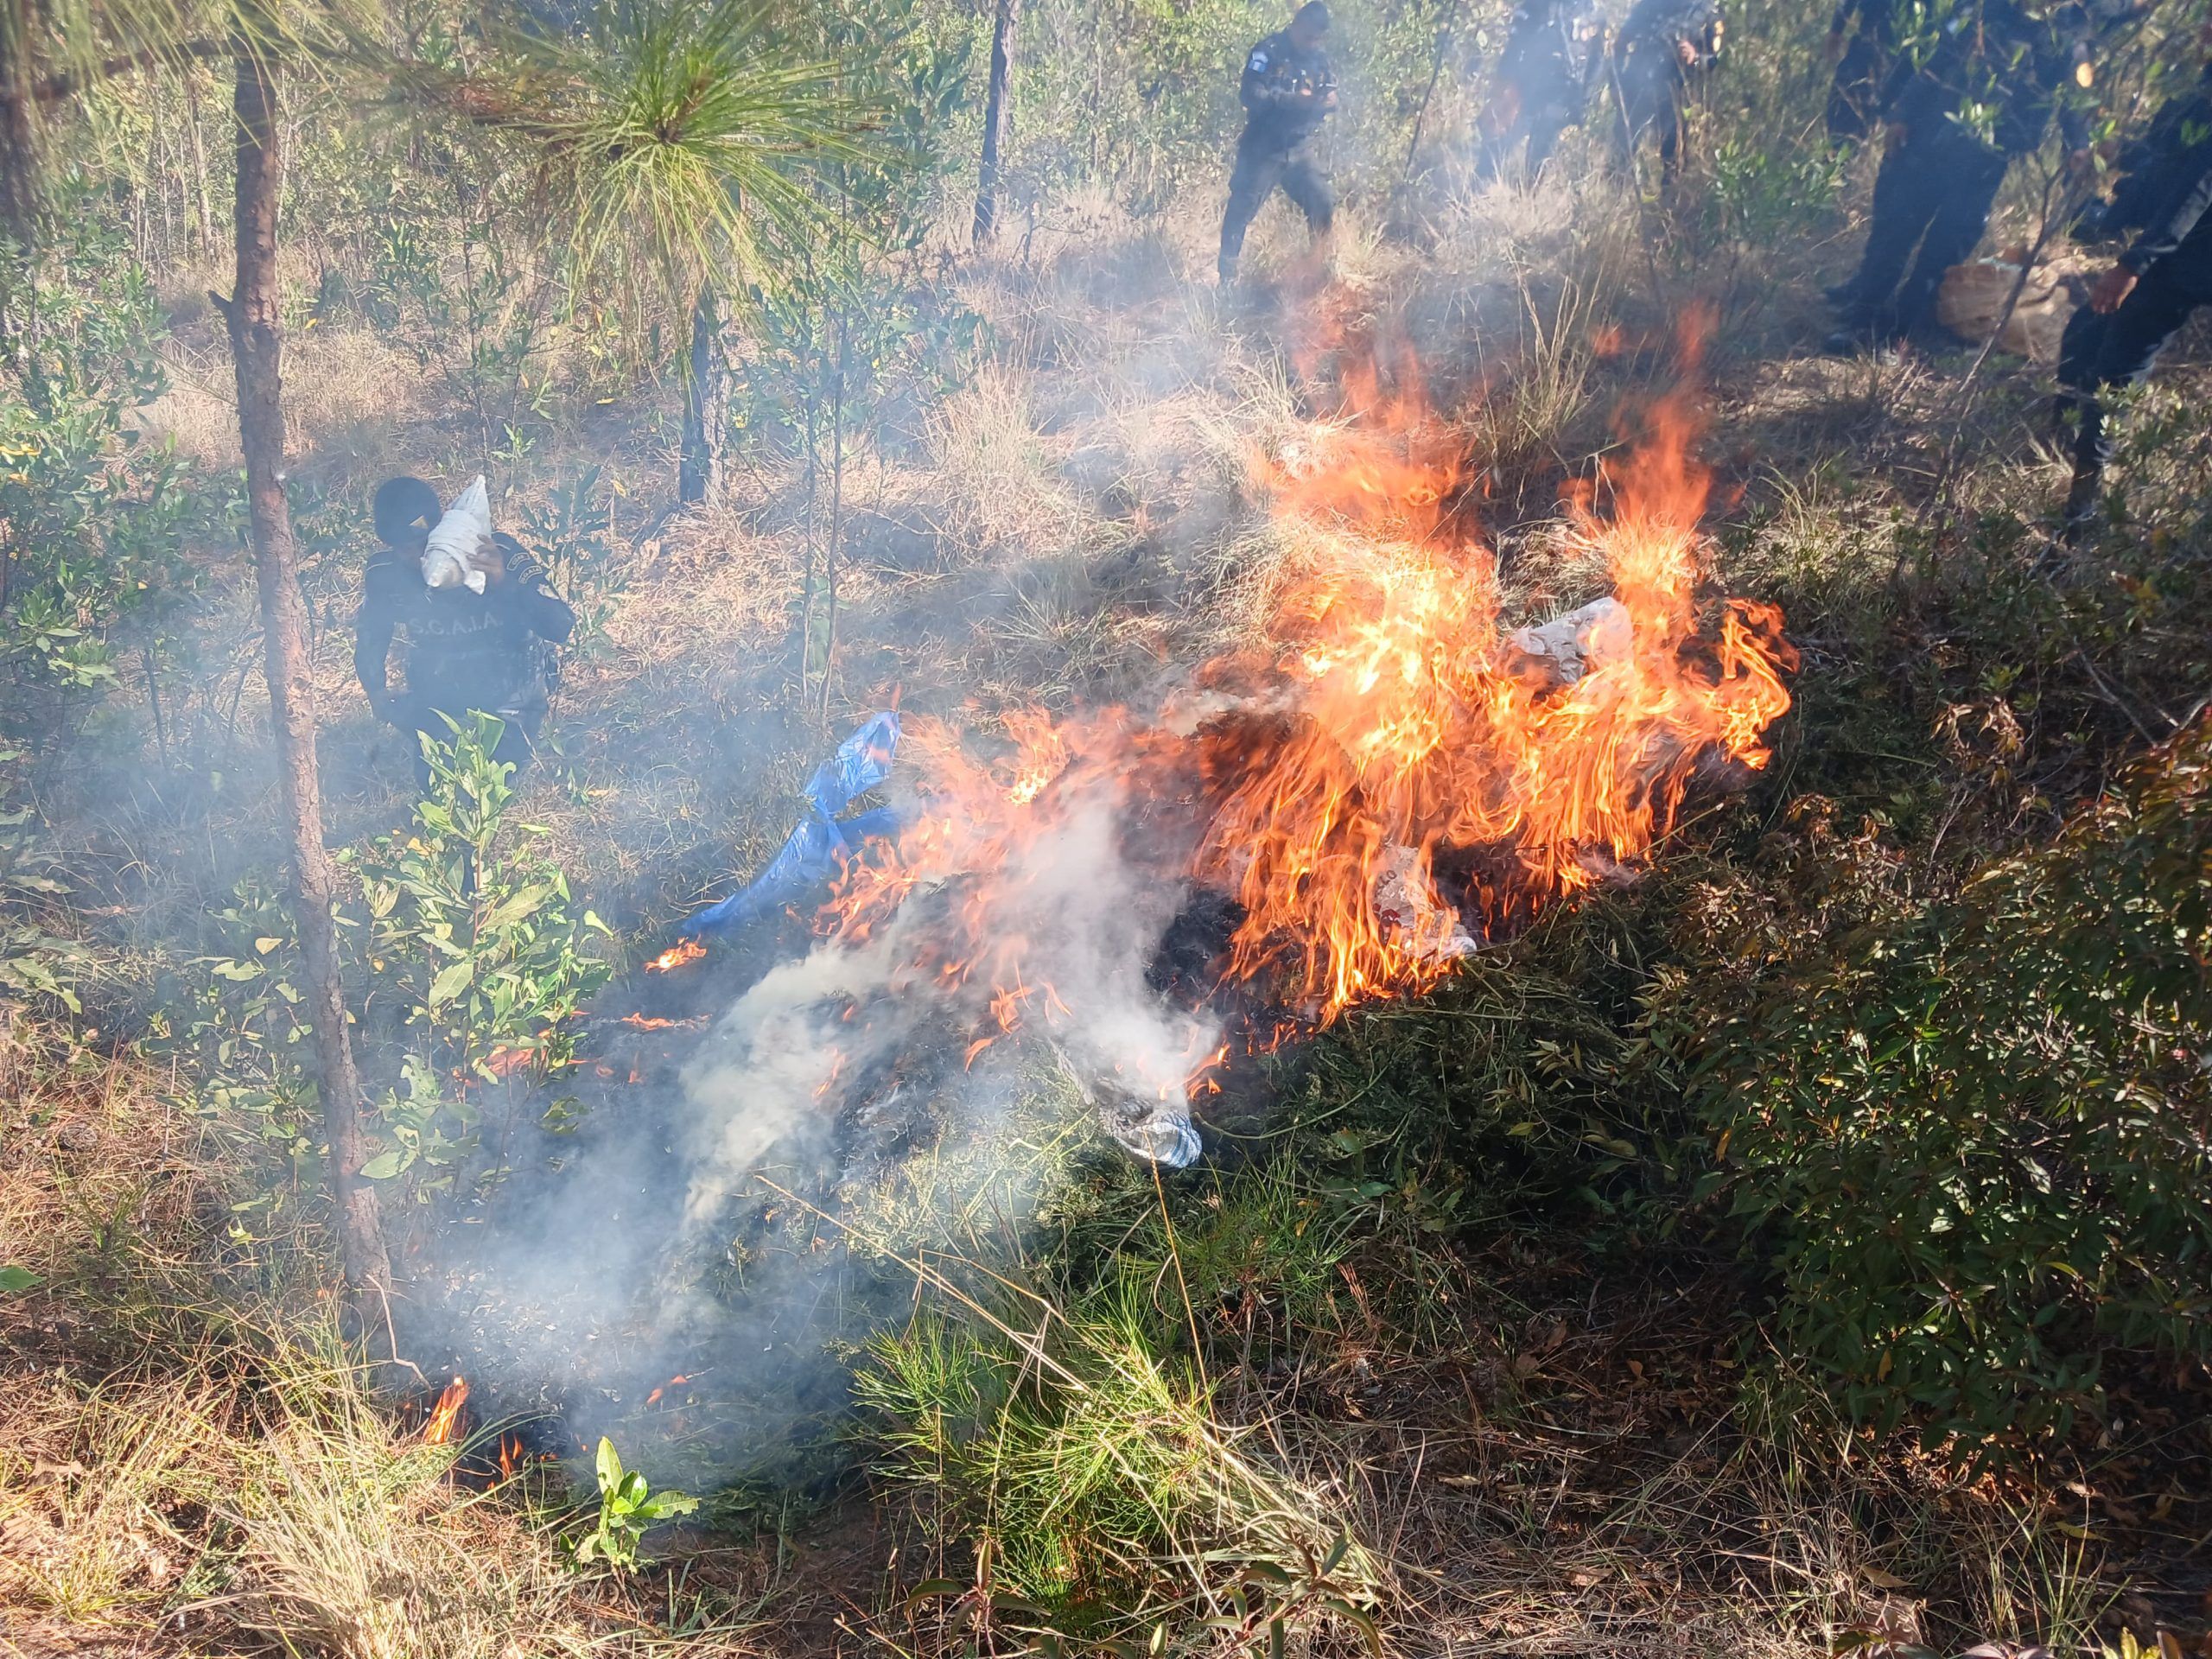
x=1552 y=55
x=1940 y=175
x=1665 y=48
x=2166 y=197
x=1287 y=91
x=491 y=651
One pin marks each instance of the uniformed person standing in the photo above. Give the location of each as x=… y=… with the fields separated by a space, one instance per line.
x=2150 y=289
x=1553 y=52
x=491 y=651
x=1287 y=91
x=1941 y=170
x=1666 y=47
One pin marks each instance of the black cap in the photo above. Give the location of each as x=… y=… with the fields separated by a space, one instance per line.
x=402 y=506
x=1313 y=15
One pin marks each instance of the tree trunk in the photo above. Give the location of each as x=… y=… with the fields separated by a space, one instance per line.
x=19 y=135
x=706 y=404
x=996 y=117
x=256 y=343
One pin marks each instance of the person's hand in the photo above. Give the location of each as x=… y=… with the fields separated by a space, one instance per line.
x=1832 y=48
x=2113 y=288
x=1687 y=51
x=491 y=561
x=2080 y=165
x=1894 y=133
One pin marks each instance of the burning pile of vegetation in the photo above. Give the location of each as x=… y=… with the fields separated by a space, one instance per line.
x=1390 y=777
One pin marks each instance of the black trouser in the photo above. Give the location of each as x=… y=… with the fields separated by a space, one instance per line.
x=2118 y=349
x=1652 y=90
x=517 y=743
x=1543 y=114
x=1933 y=194
x=1855 y=90
x=1263 y=164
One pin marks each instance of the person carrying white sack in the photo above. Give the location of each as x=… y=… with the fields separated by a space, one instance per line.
x=479 y=621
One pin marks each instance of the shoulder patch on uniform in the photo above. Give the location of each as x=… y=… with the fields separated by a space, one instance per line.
x=1260 y=59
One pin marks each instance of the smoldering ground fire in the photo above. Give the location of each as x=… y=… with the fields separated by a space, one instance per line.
x=1386 y=779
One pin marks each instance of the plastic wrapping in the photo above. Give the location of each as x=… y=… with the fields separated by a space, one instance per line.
x=820 y=846
x=1570 y=645
x=459 y=540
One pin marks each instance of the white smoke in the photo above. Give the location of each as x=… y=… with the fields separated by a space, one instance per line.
x=813 y=1039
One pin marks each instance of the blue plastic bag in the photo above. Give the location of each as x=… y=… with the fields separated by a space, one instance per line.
x=821 y=846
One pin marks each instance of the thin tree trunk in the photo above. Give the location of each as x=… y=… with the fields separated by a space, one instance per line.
x=256 y=343
x=706 y=404
x=996 y=117
x=836 y=515
x=19 y=134
x=206 y=242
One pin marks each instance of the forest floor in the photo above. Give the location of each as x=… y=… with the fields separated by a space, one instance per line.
x=1540 y=1446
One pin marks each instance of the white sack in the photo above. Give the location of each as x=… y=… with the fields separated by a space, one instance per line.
x=460 y=541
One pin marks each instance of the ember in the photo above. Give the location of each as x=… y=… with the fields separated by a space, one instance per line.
x=676 y=955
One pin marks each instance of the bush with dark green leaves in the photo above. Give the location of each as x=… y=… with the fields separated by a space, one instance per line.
x=1979 y=1143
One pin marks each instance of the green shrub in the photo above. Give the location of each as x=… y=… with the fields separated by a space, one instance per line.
x=1979 y=1141
x=91 y=520
x=471 y=927
x=240 y=1023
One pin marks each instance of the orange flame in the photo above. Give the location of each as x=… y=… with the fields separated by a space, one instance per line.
x=504 y=1062
x=683 y=951
x=654 y=1022
x=445 y=1416
x=1388 y=742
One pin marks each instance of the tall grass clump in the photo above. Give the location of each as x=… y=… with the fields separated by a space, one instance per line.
x=1073 y=1458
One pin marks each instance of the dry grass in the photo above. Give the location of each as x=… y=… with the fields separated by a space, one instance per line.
x=346 y=392
x=259 y=1500
x=183 y=1467
x=93 y=1160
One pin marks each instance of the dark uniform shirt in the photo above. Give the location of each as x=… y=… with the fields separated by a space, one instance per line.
x=1660 y=27
x=1996 y=55
x=1284 y=93
x=1876 y=20
x=2166 y=195
x=1550 y=46
x=489 y=650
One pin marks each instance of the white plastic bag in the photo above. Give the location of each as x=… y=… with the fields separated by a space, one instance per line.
x=1575 y=644
x=460 y=541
